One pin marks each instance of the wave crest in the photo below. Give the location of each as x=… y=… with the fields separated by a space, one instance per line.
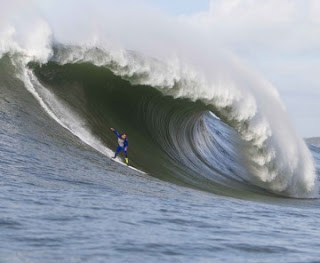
x=277 y=157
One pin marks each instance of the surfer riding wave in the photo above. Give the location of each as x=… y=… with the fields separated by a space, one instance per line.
x=122 y=145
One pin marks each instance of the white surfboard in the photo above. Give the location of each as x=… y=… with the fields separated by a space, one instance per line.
x=124 y=164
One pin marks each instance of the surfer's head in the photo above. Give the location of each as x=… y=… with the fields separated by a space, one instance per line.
x=123 y=136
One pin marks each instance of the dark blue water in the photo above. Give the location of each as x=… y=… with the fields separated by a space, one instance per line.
x=62 y=201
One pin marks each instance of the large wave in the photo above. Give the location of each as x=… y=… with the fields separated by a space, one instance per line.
x=164 y=103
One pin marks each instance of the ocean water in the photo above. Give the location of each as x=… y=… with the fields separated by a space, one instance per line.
x=63 y=200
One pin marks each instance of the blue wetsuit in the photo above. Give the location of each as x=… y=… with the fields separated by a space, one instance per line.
x=122 y=145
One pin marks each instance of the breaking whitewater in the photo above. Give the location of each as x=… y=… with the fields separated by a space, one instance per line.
x=219 y=136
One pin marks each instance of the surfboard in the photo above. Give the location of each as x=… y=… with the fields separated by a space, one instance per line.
x=124 y=164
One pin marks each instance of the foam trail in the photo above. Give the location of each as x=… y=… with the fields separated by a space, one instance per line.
x=60 y=112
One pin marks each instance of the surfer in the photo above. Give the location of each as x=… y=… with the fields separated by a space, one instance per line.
x=122 y=145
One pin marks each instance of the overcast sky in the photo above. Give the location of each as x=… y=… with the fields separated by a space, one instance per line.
x=280 y=39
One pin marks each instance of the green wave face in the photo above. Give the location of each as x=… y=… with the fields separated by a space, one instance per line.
x=176 y=140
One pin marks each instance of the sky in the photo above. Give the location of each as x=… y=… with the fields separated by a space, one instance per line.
x=179 y=7
x=279 y=39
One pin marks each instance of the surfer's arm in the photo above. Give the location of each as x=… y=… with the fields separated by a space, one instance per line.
x=115 y=132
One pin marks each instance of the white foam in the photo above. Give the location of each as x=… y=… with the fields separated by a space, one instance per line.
x=61 y=113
